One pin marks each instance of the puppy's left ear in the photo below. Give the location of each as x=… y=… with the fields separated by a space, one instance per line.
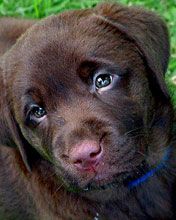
x=146 y=30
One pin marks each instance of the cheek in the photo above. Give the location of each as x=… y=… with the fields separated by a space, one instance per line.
x=124 y=112
x=139 y=91
x=58 y=146
x=39 y=138
x=133 y=104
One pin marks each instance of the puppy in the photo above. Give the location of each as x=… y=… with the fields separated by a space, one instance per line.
x=86 y=121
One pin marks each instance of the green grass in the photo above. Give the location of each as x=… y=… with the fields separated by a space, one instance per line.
x=43 y=8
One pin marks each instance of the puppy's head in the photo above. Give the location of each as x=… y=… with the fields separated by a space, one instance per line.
x=85 y=90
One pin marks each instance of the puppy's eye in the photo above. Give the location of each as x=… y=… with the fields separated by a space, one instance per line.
x=35 y=114
x=103 y=80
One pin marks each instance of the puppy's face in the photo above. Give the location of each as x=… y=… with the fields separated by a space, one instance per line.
x=82 y=98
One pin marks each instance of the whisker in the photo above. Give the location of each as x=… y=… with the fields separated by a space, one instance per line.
x=137 y=135
x=129 y=132
x=59 y=187
x=141 y=153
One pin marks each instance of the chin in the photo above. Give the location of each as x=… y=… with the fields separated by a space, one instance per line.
x=104 y=187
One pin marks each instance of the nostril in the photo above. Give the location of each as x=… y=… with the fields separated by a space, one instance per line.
x=65 y=156
x=94 y=154
x=78 y=162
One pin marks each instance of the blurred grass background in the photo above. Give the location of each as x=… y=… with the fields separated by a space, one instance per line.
x=43 y=8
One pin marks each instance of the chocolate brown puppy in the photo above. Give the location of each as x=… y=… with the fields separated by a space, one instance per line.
x=86 y=121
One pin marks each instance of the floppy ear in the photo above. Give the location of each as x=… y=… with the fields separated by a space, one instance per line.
x=18 y=138
x=10 y=134
x=146 y=30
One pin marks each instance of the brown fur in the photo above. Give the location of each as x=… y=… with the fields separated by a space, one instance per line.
x=52 y=63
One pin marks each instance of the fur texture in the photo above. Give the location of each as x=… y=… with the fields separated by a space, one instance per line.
x=54 y=64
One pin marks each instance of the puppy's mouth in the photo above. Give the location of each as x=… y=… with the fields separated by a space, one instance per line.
x=115 y=182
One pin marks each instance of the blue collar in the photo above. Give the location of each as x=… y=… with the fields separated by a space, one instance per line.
x=153 y=171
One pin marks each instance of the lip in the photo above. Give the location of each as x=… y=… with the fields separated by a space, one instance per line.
x=107 y=183
x=110 y=182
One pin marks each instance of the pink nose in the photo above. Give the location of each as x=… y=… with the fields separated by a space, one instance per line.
x=86 y=155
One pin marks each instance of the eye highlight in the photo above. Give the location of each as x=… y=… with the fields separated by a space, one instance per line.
x=103 y=80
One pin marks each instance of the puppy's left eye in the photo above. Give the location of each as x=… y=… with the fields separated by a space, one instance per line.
x=36 y=114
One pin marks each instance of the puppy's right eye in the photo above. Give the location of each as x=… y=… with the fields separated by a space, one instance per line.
x=36 y=114
x=103 y=80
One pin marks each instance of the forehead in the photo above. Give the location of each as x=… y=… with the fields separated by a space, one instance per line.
x=53 y=49
x=69 y=38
